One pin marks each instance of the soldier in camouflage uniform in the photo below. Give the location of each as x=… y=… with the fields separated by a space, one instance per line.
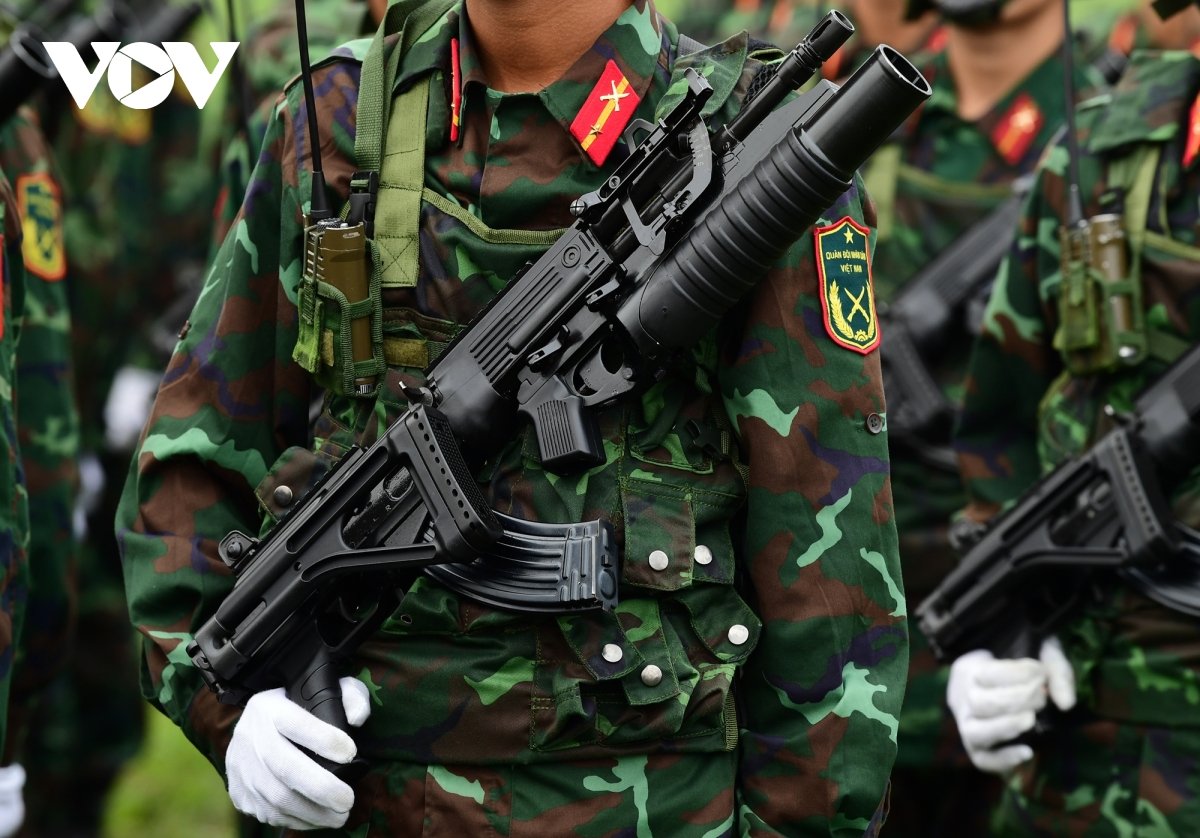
x=14 y=505
x=14 y=501
x=482 y=721
x=48 y=429
x=1123 y=762
x=138 y=201
x=946 y=169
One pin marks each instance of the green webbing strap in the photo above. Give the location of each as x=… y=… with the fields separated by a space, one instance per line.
x=398 y=204
x=1135 y=174
x=401 y=170
x=411 y=18
x=881 y=176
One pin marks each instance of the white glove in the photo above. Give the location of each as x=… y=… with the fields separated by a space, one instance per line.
x=128 y=406
x=272 y=780
x=994 y=701
x=12 y=805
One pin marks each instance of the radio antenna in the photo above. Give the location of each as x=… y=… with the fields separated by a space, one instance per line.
x=318 y=205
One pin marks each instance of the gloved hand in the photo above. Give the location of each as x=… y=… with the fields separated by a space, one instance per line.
x=994 y=701
x=272 y=780
x=12 y=804
x=128 y=406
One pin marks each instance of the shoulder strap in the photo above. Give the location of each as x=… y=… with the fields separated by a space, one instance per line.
x=411 y=18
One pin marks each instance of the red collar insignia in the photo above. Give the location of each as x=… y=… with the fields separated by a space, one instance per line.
x=1017 y=129
x=605 y=113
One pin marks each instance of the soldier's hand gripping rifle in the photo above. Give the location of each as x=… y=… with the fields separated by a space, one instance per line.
x=1102 y=513
x=685 y=226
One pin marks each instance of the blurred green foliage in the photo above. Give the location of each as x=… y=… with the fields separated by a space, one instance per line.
x=168 y=791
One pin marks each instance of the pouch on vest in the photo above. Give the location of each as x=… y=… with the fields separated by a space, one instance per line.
x=339 y=331
x=1102 y=323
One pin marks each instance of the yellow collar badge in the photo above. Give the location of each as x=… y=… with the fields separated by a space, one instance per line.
x=847 y=295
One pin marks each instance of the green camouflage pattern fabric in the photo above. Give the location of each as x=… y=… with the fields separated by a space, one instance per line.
x=946 y=174
x=47 y=422
x=1122 y=766
x=786 y=22
x=950 y=173
x=270 y=59
x=14 y=502
x=138 y=193
x=490 y=721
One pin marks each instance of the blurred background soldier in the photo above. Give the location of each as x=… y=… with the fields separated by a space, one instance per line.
x=784 y=22
x=48 y=429
x=138 y=189
x=1045 y=381
x=998 y=99
x=14 y=507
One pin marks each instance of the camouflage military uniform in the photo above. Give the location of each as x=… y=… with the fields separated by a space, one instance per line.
x=14 y=504
x=138 y=208
x=270 y=60
x=942 y=175
x=1123 y=766
x=495 y=722
x=47 y=422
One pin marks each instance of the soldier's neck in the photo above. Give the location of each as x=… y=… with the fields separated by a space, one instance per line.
x=987 y=65
x=525 y=45
x=882 y=22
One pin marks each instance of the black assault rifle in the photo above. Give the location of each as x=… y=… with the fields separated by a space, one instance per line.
x=683 y=228
x=1105 y=512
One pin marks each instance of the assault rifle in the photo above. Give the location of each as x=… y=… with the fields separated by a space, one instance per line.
x=25 y=66
x=684 y=227
x=1101 y=514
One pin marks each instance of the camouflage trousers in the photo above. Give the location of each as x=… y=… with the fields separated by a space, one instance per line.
x=1106 y=778
x=681 y=796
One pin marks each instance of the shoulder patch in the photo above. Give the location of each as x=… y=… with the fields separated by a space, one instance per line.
x=42 y=226
x=847 y=292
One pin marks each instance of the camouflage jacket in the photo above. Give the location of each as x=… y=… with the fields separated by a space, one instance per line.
x=1023 y=414
x=802 y=472
x=139 y=191
x=14 y=504
x=47 y=422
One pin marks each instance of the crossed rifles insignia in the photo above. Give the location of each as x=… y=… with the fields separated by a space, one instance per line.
x=847 y=298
